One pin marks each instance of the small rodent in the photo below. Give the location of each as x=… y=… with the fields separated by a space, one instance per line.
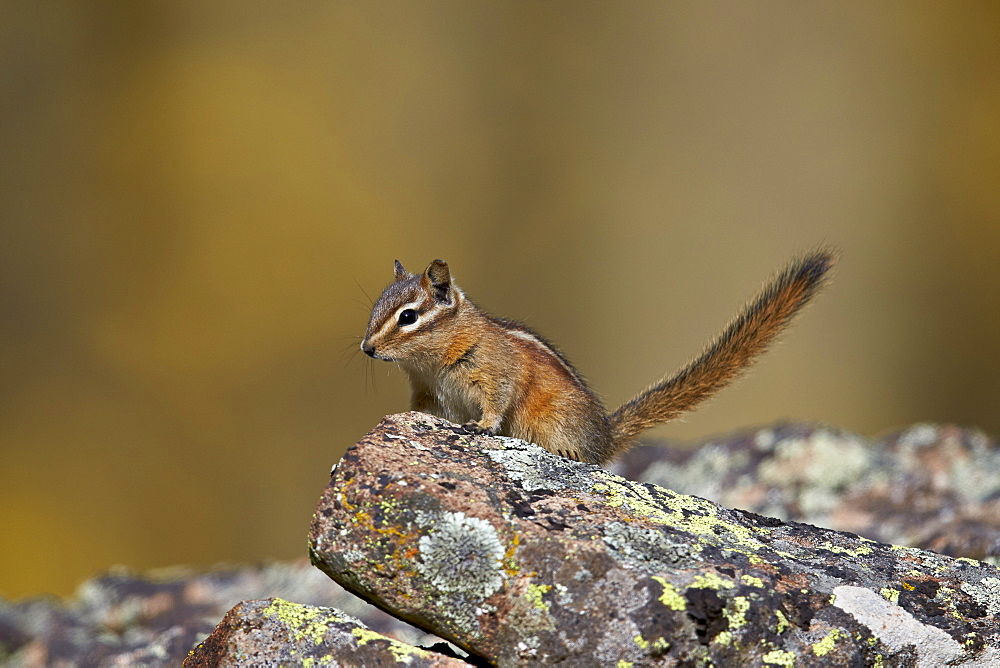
x=498 y=376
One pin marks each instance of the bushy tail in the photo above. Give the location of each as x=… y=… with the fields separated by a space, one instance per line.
x=729 y=354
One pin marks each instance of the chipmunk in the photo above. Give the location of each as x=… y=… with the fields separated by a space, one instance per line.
x=499 y=377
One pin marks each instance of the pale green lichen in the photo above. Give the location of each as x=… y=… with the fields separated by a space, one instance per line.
x=779 y=657
x=535 y=468
x=535 y=593
x=463 y=555
x=652 y=549
x=723 y=637
x=670 y=597
x=303 y=620
x=826 y=645
x=399 y=650
x=986 y=593
x=783 y=622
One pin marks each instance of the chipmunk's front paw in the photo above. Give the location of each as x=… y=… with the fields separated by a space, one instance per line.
x=476 y=428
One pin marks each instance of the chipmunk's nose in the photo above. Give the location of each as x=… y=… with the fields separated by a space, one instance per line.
x=368 y=348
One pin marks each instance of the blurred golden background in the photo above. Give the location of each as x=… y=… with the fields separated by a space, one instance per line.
x=194 y=197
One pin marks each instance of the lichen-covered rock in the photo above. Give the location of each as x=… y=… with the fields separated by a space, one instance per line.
x=275 y=632
x=155 y=618
x=935 y=487
x=520 y=556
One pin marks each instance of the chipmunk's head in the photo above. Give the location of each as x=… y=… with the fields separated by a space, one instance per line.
x=409 y=321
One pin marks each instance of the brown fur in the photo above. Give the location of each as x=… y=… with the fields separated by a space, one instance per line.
x=500 y=377
x=729 y=355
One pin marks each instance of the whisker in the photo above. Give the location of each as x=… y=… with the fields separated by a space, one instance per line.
x=353 y=345
x=371 y=302
x=370 y=373
x=354 y=354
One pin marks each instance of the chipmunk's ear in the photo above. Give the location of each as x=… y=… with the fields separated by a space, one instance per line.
x=437 y=280
x=400 y=272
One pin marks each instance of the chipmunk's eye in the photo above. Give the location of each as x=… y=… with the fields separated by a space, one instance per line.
x=407 y=317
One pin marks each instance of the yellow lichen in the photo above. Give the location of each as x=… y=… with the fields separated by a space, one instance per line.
x=670 y=597
x=313 y=624
x=534 y=594
x=711 y=580
x=510 y=563
x=782 y=621
x=826 y=645
x=703 y=518
x=659 y=644
x=779 y=657
x=736 y=611
x=752 y=581
x=306 y=622
x=855 y=552
x=890 y=594
x=400 y=650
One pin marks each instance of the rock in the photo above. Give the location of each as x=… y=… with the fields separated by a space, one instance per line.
x=936 y=487
x=275 y=632
x=154 y=619
x=520 y=556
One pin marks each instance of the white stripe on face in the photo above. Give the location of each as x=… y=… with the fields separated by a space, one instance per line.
x=391 y=321
x=431 y=312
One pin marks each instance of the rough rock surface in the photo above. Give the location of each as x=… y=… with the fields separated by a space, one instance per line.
x=276 y=632
x=519 y=556
x=936 y=487
x=154 y=619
